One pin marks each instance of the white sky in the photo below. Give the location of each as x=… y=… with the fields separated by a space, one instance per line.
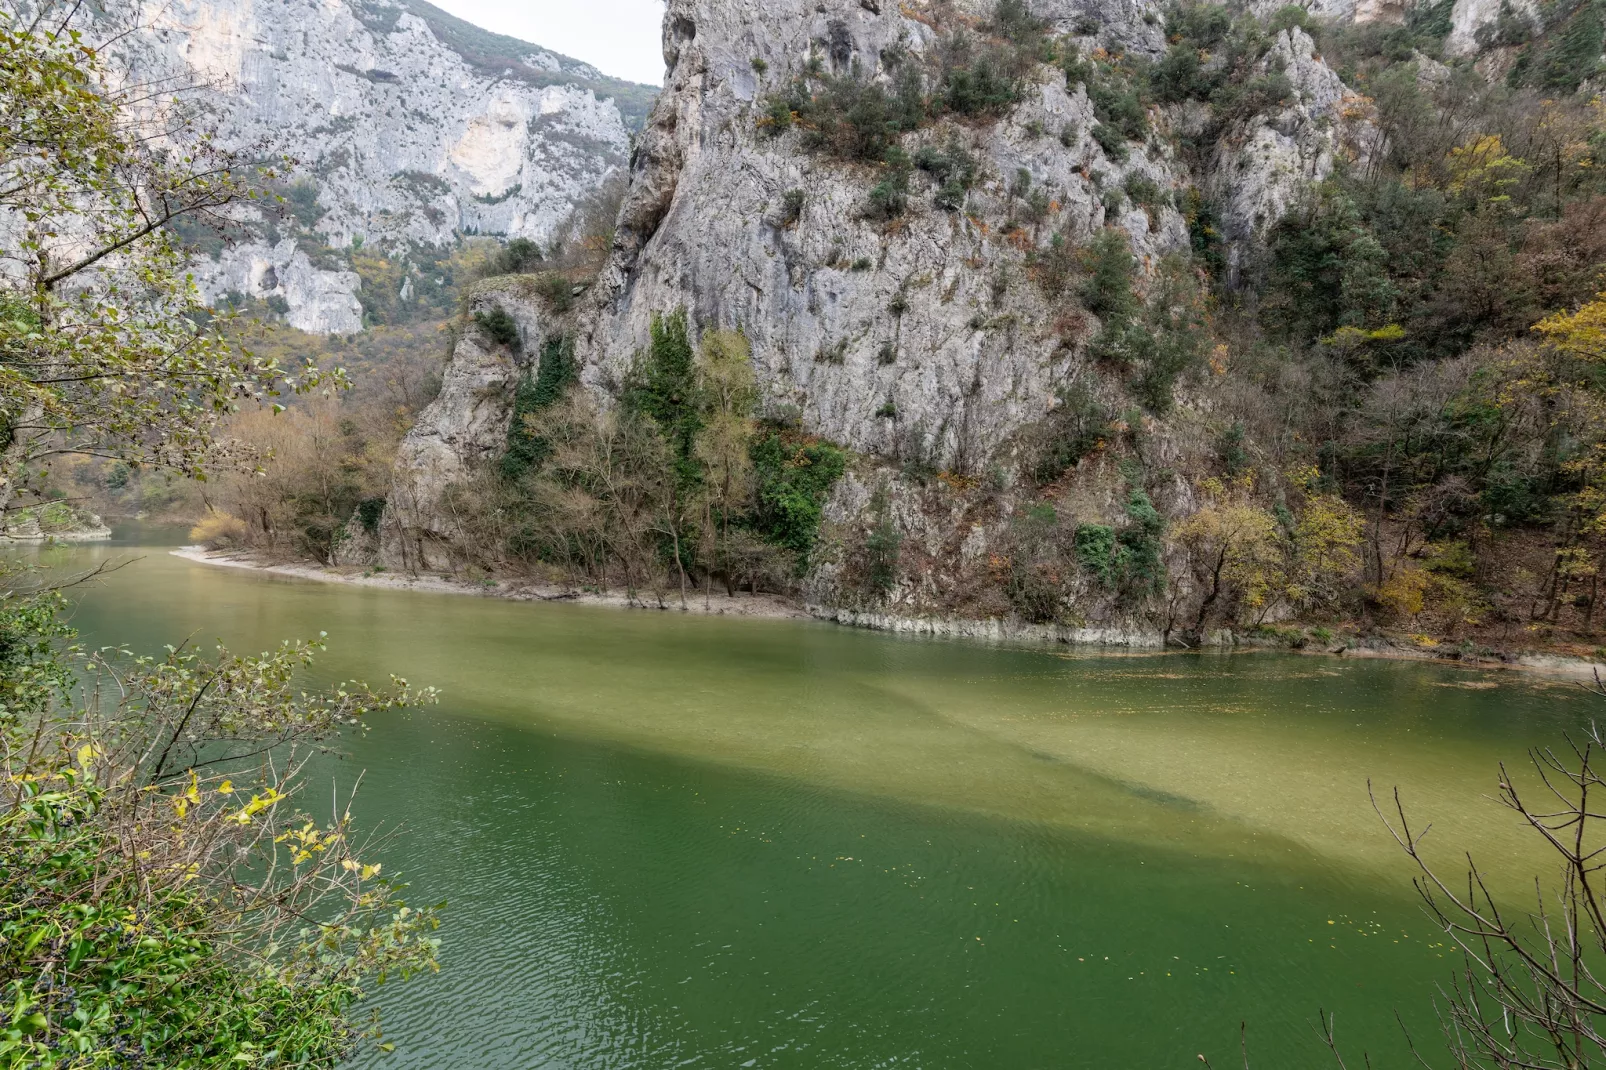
x=621 y=38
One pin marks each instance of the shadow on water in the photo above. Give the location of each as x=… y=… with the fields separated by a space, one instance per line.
x=669 y=840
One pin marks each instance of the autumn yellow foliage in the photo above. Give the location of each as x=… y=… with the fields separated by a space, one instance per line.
x=1261 y=559
x=219 y=531
x=1581 y=334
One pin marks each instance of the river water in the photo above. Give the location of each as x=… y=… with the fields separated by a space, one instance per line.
x=667 y=840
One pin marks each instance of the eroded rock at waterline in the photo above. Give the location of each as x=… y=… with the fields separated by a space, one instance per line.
x=55 y=522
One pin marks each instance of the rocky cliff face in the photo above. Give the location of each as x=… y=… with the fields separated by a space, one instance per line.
x=924 y=340
x=460 y=433
x=410 y=126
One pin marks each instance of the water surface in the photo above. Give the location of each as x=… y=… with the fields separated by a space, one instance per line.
x=668 y=840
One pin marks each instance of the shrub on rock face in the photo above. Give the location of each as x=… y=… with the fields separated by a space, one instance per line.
x=1111 y=269
x=499 y=327
x=792 y=480
x=890 y=197
x=520 y=256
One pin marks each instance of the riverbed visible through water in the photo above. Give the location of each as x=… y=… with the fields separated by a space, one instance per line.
x=667 y=840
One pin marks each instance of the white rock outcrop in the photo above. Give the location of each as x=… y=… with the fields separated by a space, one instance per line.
x=316 y=300
x=458 y=435
x=1467 y=17
x=1263 y=166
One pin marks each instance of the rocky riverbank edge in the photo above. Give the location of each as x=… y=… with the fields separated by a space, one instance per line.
x=1287 y=639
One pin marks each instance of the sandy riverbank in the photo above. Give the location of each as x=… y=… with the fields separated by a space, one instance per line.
x=778 y=607
x=715 y=603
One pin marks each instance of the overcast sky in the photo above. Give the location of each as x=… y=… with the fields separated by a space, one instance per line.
x=618 y=37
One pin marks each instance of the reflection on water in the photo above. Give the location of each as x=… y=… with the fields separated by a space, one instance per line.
x=674 y=840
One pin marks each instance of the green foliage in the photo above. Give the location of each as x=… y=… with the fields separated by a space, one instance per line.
x=954 y=171
x=664 y=389
x=369 y=512
x=1139 y=546
x=121 y=957
x=1110 y=139
x=1174 y=339
x=1013 y=21
x=978 y=80
x=1094 y=548
x=199 y=236
x=1204 y=232
x=1128 y=560
x=1327 y=269
x=1110 y=271
x=777 y=114
x=882 y=548
x=792 y=476
x=131 y=934
x=429 y=277
x=1143 y=191
x=1290 y=16
x=890 y=197
x=301 y=203
x=1034 y=582
x=1572 y=53
x=147 y=377
x=1215 y=58
x=32 y=672
x=499 y=326
x=521 y=256
x=556 y=290
x=846 y=116
x=853 y=117
x=1075 y=428
x=1116 y=87
x=792 y=206
x=1234 y=458
x=1430 y=21
x=554 y=375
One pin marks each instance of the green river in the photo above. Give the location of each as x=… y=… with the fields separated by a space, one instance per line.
x=668 y=840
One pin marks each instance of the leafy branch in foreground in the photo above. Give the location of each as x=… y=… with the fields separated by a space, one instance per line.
x=167 y=897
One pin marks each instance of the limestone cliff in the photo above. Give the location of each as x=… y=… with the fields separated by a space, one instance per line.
x=462 y=431
x=410 y=128
x=925 y=342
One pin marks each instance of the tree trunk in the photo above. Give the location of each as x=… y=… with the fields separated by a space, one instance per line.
x=14 y=458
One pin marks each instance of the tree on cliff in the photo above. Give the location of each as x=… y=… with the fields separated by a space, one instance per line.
x=164 y=900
